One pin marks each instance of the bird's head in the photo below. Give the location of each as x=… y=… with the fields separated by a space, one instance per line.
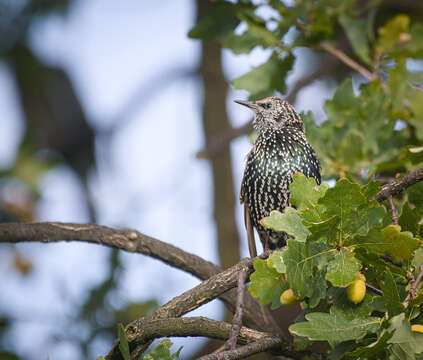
x=272 y=113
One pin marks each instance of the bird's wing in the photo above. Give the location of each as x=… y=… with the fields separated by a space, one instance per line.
x=247 y=219
x=250 y=231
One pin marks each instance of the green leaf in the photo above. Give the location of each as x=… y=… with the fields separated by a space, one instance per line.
x=390 y=240
x=343 y=269
x=288 y=221
x=263 y=80
x=266 y=284
x=304 y=262
x=162 y=351
x=371 y=189
x=415 y=195
x=339 y=298
x=405 y=342
x=417 y=259
x=326 y=228
x=391 y=295
x=334 y=327
x=277 y=260
x=390 y=33
x=255 y=35
x=343 y=201
x=123 y=343
x=356 y=31
x=216 y=22
x=415 y=46
x=375 y=350
x=416 y=105
x=409 y=219
x=305 y=192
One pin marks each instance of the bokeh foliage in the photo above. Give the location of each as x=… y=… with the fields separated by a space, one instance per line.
x=56 y=133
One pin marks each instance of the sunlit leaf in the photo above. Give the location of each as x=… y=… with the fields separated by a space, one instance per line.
x=266 y=284
x=343 y=268
x=288 y=221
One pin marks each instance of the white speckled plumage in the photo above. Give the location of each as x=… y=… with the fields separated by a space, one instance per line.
x=281 y=150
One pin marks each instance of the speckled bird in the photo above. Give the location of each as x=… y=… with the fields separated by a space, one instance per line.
x=280 y=151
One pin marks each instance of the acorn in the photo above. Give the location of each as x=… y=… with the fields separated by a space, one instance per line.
x=357 y=289
x=288 y=298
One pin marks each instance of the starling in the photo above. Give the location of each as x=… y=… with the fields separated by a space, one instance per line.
x=281 y=150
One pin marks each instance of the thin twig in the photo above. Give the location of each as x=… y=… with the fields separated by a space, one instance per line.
x=246 y=350
x=374 y=289
x=237 y=319
x=393 y=210
x=347 y=61
x=412 y=293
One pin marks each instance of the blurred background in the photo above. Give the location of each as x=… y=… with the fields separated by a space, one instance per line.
x=106 y=110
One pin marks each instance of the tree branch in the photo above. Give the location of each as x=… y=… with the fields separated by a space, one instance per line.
x=221 y=142
x=393 y=210
x=347 y=60
x=414 y=286
x=396 y=186
x=131 y=241
x=188 y=301
x=237 y=319
x=242 y=352
x=151 y=329
x=201 y=326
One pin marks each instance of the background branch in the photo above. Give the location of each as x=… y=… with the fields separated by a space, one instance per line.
x=347 y=61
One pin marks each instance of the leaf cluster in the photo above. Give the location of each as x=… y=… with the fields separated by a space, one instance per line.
x=335 y=234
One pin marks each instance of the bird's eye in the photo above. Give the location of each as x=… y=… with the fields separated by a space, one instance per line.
x=265 y=105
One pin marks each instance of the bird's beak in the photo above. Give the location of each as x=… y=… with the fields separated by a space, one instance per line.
x=250 y=104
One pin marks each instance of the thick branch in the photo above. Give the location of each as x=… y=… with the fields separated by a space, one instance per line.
x=188 y=301
x=151 y=329
x=204 y=292
x=200 y=326
x=396 y=186
x=132 y=241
